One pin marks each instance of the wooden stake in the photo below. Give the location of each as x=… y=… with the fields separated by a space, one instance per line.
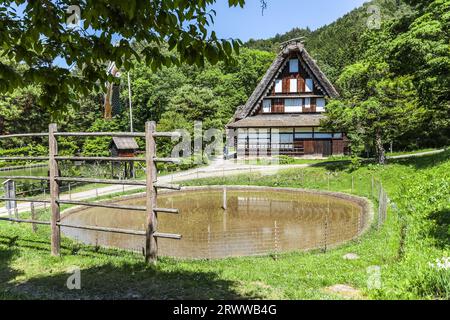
x=224 y=205
x=372 y=188
x=54 y=190
x=33 y=217
x=151 y=245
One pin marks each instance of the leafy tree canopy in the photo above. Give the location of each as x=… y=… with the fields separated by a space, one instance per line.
x=35 y=33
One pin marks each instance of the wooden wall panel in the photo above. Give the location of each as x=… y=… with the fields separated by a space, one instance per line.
x=309 y=146
x=286 y=84
x=338 y=147
x=318 y=147
x=301 y=84
x=278 y=106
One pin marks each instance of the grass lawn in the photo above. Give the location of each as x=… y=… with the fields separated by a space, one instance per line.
x=283 y=160
x=416 y=232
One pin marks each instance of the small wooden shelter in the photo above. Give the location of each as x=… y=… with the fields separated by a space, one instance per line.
x=125 y=147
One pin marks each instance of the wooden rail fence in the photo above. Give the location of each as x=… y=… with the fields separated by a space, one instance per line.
x=151 y=234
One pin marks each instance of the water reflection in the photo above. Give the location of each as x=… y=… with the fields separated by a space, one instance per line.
x=255 y=222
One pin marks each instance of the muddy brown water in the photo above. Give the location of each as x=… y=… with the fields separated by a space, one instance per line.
x=256 y=222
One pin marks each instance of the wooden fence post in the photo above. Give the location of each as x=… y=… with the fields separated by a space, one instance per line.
x=151 y=245
x=380 y=205
x=224 y=198
x=33 y=217
x=54 y=190
x=372 y=189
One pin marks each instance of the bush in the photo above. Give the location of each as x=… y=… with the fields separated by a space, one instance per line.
x=28 y=151
x=285 y=160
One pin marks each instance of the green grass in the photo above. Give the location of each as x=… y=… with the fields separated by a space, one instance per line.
x=283 y=160
x=413 y=235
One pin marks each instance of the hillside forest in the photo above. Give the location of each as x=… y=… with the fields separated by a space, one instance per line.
x=393 y=81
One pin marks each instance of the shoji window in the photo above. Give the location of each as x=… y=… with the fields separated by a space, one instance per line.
x=293 y=85
x=293 y=66
x=253 y=139
x=320 y=105
x=242 y=139
x=279 y=86
x=303 y=133
x=320 y=133
x=309 y=86
x=264 y=139
x=293 y=105
x=307 y=102
x=286 y=138
x=267 y=105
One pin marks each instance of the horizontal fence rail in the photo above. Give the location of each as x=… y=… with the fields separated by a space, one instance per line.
x=99 y=159
x=100 y=134
x=25 y=178
x=103 y=205
x=23 y=135
x=24 y=158
x=101 y=181
x=25 y=221
x=26 y=200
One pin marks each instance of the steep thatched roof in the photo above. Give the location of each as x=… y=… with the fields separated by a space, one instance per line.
x=267 y=82
x=278 y=121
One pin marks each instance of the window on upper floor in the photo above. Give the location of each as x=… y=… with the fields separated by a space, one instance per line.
x=307 y=102
x=304 y=133
x=278 y=86
x=309 y=85
x=293 y=65
x=293 y=105
x=267 y=105
x=320 y=107
x=293 y=85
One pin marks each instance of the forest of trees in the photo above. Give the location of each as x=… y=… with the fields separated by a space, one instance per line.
x=394 y=84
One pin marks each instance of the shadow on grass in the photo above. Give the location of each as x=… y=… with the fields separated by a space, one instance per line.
x=441 y=230
x=109 y=278
x=333 y=166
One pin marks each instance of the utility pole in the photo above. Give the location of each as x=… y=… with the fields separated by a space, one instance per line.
x=129 y=101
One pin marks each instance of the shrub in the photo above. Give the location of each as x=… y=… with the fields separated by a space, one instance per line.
x=286 y=159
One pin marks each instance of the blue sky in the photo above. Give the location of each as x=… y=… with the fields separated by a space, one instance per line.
x=279 y=17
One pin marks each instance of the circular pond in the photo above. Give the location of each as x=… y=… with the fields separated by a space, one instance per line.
x=257 y=221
